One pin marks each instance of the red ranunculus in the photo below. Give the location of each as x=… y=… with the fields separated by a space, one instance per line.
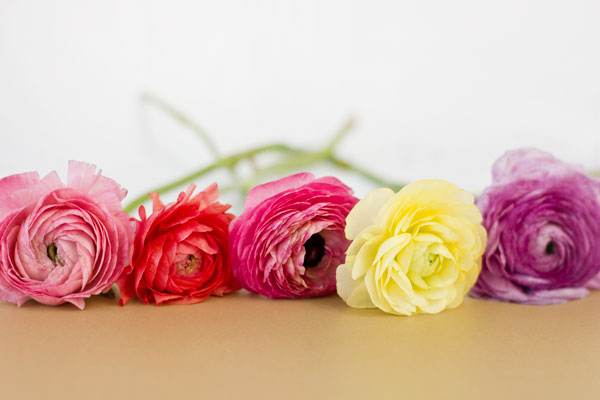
x=180 y=251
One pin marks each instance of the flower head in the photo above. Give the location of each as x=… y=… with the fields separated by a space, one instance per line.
x=415 y=251
x=543 y=221
x=290 y=238
x=180 y=251
x=61 y=243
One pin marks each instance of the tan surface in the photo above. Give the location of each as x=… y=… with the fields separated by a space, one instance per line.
x=243 y=345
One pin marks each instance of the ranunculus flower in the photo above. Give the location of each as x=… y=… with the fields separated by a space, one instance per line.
x=290 y=238
x=61 y=243
x=415 y=251
x=543 y=222
x=180 y=251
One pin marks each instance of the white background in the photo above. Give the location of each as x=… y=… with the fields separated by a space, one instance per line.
x=439 y=88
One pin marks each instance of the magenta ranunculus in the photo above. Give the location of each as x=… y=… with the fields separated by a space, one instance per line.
x=61 y=243
x=290 y=238
x=543 y=221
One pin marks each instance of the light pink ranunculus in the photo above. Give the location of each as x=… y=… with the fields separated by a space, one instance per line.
x=61 y=243
x=290 y=238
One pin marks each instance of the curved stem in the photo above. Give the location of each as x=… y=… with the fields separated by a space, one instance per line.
x=293 y=163
x=340 y=135
x=225 y=162
x=297 y=158
x=342 y=164
x=183 y=119
x=303 y=159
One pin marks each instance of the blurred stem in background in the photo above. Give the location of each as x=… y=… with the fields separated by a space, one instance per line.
x=294 y=159
x=157 y=102
x=184 y=120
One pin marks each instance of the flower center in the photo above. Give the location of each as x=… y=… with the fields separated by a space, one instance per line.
x=314 y=250
x=431 y=263
x=189 y=266
x=51 y=251
x=550 y=248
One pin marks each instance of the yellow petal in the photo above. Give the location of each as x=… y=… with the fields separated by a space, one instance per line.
x=392 y=243
x=404 y=256
x=435 y=293
x=361 y=239
x=375 y=291
x=402 y=220
x=466 y=261
x=417 y=280
x=365 y=258
x=353 y=292
x=441 y=230
x=427 y=237
x=434 y=306
x=364 y=212
x=440 y=249
x=447 y=275
x=402 y=282
x=400 y=303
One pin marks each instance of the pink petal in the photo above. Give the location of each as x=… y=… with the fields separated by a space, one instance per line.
x=264 y=191
x=593 y=283
x=79 y=303
x=18 y=191
x=83 y=177
x=10 y=293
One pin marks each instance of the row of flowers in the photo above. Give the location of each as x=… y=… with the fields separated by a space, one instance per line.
x=531 y=237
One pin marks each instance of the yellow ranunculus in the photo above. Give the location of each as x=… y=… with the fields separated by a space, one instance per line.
x=415 y=251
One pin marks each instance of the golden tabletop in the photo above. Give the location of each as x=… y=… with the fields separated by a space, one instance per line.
x=247 y=346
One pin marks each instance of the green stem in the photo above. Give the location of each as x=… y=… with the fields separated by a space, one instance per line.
x=297 y=158
x=183 y=119
x=305 y=158
x=340 y=135
x=342 y=164
x=295 y=162
x=189 y=123
x=225 y=162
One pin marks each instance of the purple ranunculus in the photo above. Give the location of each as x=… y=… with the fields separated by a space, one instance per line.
x=543 y=221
